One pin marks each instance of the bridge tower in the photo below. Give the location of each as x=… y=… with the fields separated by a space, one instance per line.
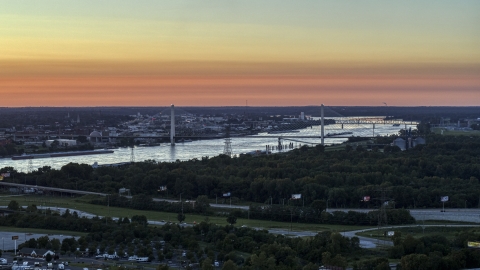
x=172 y=125
x=323 y=125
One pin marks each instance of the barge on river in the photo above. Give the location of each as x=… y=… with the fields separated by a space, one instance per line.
x=62 y=154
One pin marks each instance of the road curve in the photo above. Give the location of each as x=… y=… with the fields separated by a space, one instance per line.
x=365 y=242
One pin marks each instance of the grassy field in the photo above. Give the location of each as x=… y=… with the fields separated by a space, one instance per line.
x=444 y=131
x=81 y=203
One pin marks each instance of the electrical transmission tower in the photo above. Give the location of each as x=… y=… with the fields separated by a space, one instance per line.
x=30 y=166
x=132 y=155
x=382 y=212
x=227 y=149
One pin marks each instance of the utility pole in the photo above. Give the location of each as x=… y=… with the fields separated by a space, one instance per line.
x=181 y=202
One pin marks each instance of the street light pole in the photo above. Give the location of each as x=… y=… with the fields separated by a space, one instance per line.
x=291 y=216
x=108 y=208
x=181 y=202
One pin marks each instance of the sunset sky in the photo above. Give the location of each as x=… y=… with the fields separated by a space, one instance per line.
x=222 y=53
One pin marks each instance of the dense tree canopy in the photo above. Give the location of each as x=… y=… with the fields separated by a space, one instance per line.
x=445 y=166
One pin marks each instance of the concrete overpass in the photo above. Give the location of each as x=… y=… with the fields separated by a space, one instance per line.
x=43 y=188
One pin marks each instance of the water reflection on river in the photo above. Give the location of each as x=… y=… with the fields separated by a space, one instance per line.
x=199 y=149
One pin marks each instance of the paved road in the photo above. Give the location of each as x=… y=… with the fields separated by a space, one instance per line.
x=365 y=242
x=450 y=214
x=371 y=242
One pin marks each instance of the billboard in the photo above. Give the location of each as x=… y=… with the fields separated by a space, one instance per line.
x=366 y=198
x=227 y=194
x=163 y=188
x=296 y=196
x=444 y=199
x=473 y=244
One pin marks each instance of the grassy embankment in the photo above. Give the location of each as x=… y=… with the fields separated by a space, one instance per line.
x=81 y=203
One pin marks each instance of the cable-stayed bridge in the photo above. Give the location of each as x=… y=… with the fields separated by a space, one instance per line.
x=178 y=125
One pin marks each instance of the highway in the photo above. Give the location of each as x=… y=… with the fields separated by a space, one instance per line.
x=450 y=214
x=365 y=242
x=81 y=192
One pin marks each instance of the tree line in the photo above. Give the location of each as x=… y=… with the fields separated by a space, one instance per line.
x=315 y=213
x=202 y=242
x=445 y=166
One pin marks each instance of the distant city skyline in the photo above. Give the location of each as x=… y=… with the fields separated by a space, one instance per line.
x=222 y=53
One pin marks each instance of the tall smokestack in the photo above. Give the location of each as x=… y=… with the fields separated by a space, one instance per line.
x=172 y=125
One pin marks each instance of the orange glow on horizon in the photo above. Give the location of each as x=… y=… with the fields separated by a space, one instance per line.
x=234 y=90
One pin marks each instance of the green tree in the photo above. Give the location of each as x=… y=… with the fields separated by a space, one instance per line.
x=231 y=219
x=310 y=266
x=48 y=257
x=319 y=206
x=55 y=244
x=13 y=205
x=262 y=262
x=229 y=265
x=202 y=204
x=140 y=219
x=54 y=145
x=207 y=264
x=42 y=241
x=32 y=208
x=414 y=262
x=180 y=217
